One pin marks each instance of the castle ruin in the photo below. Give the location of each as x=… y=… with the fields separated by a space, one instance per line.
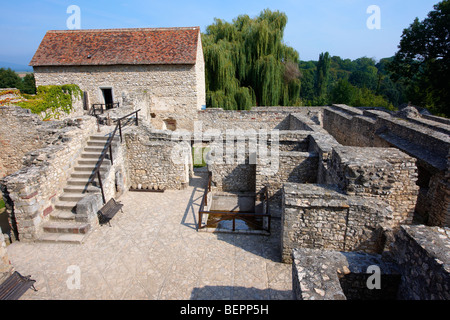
x=351 y=187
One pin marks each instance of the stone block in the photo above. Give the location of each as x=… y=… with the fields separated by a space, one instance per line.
x=88 y=207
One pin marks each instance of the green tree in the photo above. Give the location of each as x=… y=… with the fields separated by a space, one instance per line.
x=343 y=92
x=9 y=79
x=423 y=60
x=29 y=84
x=247 y=63
x=322 y=75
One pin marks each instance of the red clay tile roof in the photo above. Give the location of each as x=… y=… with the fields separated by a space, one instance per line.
x=118 y=46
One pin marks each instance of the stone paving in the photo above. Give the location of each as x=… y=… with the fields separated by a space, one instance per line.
x=153 y=251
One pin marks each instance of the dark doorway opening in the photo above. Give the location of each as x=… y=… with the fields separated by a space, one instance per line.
x=107 y=95
x=85 y=100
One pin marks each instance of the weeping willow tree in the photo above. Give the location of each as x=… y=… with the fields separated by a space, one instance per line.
x=248 y=64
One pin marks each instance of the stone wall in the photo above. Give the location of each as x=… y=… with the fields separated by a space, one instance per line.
x=333 y=275
x=20 y=133
x=219 y=119
x=439 y=214
x=258 y=118
x=384 y=173
x=293 y=166
x=30 y=193
x=425 y=138
x=155 y=161
x=5 y=265
x=422 y=254
x=287 y=159
x=350 y=128
x=162 y=92
x=320 y=217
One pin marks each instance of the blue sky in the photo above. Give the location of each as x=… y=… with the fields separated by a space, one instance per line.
x=314 y=26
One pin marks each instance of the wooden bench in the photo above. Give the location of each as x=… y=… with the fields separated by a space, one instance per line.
x=15 y=286
x=108 y=211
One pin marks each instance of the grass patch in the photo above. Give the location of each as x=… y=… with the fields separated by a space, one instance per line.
x=199 y=163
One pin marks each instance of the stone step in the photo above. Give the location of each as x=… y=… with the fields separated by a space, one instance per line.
x=69 y=238
x=71 y=197
x=103 y=138
x=88 y=161
x=81 y=189
x=66 y=227
x=91 y=155
x=90 y=167
x=62 y=215
x=101 y=143
x=86 y=175
x=65 y=205
x=98 y=149
x=80 y=182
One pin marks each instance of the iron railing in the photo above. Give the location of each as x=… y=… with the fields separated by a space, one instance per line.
x=101 y=107
x=232 y=215
x=108 y=147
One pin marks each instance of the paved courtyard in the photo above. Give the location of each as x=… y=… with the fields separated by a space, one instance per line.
x=153 y=251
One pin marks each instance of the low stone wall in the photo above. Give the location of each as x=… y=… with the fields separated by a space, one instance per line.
x=384 y=173
x=151 y=160
x=5 y=266
x=297 y=167
x=266 y=118
x=241 y=166
x=320 y=217
x=30 y=194
x=350 y=128
x=116 y=181
x=426 y=138
x=423 y=256
x=19 y=134
x=333 y=275
x=219 y=119
x=322 y=144
x=439 y=213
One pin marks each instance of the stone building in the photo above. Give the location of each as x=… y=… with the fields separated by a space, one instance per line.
x=157 y=70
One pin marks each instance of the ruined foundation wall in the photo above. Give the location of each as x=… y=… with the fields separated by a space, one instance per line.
x=387 y=174
x=320 y=217
x=422 y=254
x=219 y=119
x=19 y=134
x=30 y=194
x=258 y=118
x=350 y=128
x=425 y=138
x=151 y=161
x=297 y=167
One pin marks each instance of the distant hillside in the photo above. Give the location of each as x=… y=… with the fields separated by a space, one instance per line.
x=16 y=67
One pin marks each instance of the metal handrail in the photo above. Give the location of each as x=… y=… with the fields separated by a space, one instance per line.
x=113 y=105
x=108 y=146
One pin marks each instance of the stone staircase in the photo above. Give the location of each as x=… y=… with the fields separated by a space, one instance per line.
x=64 y=225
